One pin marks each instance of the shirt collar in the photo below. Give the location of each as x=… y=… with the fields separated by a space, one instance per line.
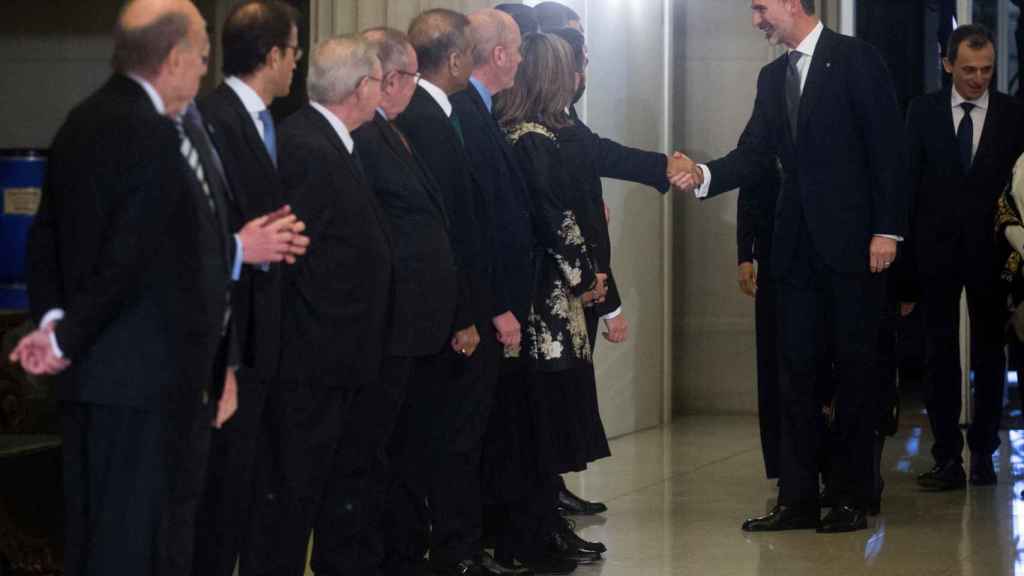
x=154 y=96
x=811 y=41
x=485 y=94
x=337 y=124
x=982 y=102
x=438 y=95
x=382 y=113
x=250 y=99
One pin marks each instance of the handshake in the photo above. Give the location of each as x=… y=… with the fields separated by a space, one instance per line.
x=683 y=173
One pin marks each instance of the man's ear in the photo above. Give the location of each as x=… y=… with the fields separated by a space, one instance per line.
x=499 y=56
x=947 y=65
x=273 y=57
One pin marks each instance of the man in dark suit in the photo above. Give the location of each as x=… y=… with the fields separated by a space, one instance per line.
x=260 y=49
x=963 y=142
x=453 y=412
x=422 y=320
x=338 y=295
x=827 y=112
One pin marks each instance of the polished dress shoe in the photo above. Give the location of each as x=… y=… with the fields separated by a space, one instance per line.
x=843 y=519
x=982 y=471
x=947 y=476
x=784 y=518
x=488 y=565
x=568 y=531
x=560 y=547
x=569 y=503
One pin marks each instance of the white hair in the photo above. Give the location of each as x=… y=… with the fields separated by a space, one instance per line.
x=336 y=67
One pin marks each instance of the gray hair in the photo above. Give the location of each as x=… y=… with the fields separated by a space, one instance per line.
x=489 y=29
x=392 y=47
x=143 y=49
x=336 y=67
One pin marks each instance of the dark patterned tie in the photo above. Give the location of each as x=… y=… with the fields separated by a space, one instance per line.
x=454 y=118
x=965 y=137
x=793 y=92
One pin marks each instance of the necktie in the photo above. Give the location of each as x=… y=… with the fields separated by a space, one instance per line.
x=965 y=137
x=191 y=155
x=269 y=136
x=454 y=118
x=793 y=92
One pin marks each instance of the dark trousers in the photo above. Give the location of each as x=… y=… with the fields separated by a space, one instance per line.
x=347 y=536
x=436 y=450
x=224 y=512
x=940 y=307
x=818 y=304
x=306 y=419
x=766 y=328
x=132 y=481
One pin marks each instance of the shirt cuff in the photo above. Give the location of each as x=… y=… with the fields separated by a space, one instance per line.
x=613 y=314
x=891 y=237
x=702 y=192
x=56 y=347
x=236 y=268
x=54 y=315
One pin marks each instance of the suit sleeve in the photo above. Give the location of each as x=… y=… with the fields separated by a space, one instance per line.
x=755 y=152
x=874 y=103
x=907 y=284
x=557 y=225
x=746 y=224
x=45 y=285
x=133 y=234
x=631 y=164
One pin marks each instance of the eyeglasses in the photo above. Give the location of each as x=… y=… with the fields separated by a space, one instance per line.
x=415 y=75
x=369 y=77
x=297 y=49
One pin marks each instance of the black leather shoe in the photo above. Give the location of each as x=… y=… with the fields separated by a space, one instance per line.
x=875 y=508
x=569 y=503
x=948 y=476
x=784 y=518
x=843 y=519
x=982 y=471
x=560 y=547
x=492 y=566
x=568 y=531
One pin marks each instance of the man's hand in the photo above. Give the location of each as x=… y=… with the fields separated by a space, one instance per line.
x=273 y=237
x=907 y=308
x=607 y=212
x=747 y=276
x=882 y=253
x=598 y=293
x=617 y=329
x=465 y=341
x=684 y=173
x=509 y=330
x=228 y=403
x=36 y=356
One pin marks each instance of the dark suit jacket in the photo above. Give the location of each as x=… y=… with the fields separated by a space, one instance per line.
x=845 y=173
x=433 y=137
x=126 y=244
x=256 y=190
x=495 y=168
x=338 y=294
x=954 y=210
x=755 y=221
x=425 y=275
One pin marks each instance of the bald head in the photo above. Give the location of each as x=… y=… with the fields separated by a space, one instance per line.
x=489 y=29
x=147 y=31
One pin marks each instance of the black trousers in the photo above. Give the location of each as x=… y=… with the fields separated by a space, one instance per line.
x=940 y=307
x=307 y=419
x=436 y=450
x=816 y=305
x=132 y=482
x=766 y=329
x=348 y=535
x=231 y=478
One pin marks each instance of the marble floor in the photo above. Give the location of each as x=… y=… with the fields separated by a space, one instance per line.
x=677 y=496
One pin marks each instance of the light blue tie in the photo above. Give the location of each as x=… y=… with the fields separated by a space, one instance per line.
x=269 y=136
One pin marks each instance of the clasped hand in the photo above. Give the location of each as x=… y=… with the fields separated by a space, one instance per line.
x=683 y=173
x=274 y=237
x=36 y=355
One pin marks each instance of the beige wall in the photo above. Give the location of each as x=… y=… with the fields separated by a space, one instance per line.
x=717 y=59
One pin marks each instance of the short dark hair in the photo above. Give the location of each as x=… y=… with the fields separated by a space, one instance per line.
x=251 y=30
x=808 y=6
x=437 y=33
x=523 y=15
x=577 y=42
x=975 y=35
x=142 y=50
x=554 y=15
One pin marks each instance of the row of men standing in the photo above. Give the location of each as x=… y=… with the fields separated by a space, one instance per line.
x=349 y=389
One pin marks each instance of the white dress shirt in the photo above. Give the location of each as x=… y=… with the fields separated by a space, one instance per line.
x=337 y=124
x=438 y=95
x=250 y=99
x=978 y=115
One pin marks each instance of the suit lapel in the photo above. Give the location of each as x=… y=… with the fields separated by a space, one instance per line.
x=252 y=136
x=817 y=77
x=990 y=131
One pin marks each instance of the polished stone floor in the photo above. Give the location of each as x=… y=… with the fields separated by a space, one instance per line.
x=677 y=496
